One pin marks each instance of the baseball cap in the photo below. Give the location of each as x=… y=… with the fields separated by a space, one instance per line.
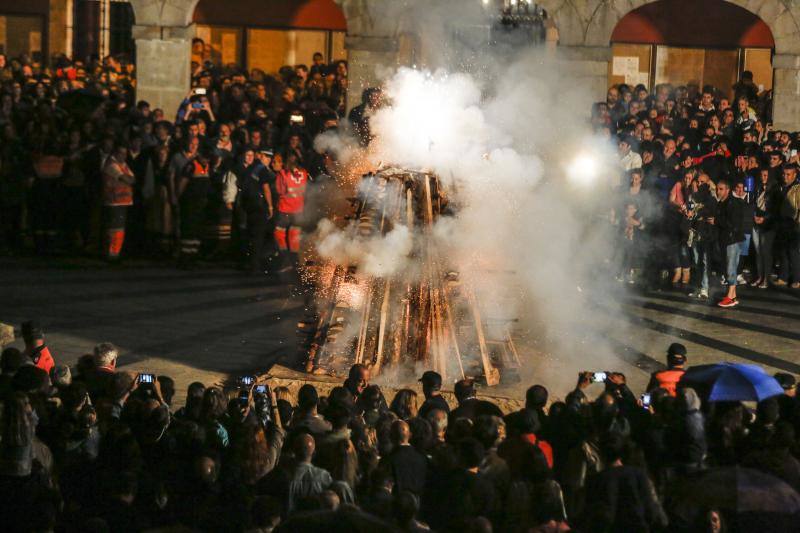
x=786 y=381
x=431 y=379
x=269 y=153
x=676 y=353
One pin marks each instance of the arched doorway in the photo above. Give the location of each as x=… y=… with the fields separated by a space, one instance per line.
x=691 y=42
x=267 y=34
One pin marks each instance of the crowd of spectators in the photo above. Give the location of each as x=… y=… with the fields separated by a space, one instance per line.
x=93 y=448
x=708 y=187
x=86 y=169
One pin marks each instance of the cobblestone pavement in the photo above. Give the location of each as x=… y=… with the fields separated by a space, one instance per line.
x=213 y=323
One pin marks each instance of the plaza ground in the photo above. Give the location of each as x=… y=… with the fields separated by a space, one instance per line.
x=211 y=324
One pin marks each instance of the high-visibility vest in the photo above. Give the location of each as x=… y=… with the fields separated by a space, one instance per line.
x=291 y=187
x=117 y=183
x=43 y=359
x=48 y=166
x=668 y=379
x=199 y=170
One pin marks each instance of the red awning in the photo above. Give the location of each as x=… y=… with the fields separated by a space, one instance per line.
x=285 y=14
x=696 y=23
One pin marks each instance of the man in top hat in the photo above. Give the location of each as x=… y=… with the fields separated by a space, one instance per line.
x=668 y=379
x=431 y=387
x=35 y=348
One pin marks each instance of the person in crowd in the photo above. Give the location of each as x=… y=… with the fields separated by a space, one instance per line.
x=621 y=497
x=469 y=406
x=729 y=223
x=118 y=185
x=788 y=237
x=668 y=379
x=306 y=481
x=290 y=184
x=224 y=462
x=407 y=466
x=767 y=212
x=193 y=189
x=35 y=348
x=306 y=416
x=404 y=404
x=431 y=388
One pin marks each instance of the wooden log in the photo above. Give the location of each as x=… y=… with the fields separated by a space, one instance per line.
x=453 y=334
x=490 y=372
x=513 y=348
x=362 y=332
x=382 y=325
x=324 y=321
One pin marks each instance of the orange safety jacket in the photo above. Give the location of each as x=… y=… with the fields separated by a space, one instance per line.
x=42 y=358
x=291 y=187
x=667 y=379
x=199 y=170
x=48 y=166
x=118 y=182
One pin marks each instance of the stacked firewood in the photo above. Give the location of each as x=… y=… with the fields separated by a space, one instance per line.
x=421 y=316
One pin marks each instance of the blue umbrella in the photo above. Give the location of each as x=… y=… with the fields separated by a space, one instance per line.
x=734 y=382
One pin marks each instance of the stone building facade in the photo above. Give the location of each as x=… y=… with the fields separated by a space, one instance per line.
x=376 y=30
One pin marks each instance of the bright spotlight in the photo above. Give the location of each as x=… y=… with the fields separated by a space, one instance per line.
x=583 y=169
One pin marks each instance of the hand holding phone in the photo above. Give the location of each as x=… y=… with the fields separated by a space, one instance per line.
x=599 y=377
x=147 y=378
x=646 y=400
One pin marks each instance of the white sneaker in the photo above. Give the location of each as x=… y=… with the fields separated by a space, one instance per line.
x=701 y=294
x=740 y=280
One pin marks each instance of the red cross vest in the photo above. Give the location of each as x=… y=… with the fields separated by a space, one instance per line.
x=291 y=187
x=117 y=184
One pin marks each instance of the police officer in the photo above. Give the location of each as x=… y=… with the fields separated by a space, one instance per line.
x=255 y=180
x=668 y=379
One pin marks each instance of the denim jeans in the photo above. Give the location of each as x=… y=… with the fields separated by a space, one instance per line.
x=702 y=262
x=732 y=252
x=764 y=241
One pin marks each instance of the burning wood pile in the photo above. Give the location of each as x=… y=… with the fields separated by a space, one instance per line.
x=420 y=317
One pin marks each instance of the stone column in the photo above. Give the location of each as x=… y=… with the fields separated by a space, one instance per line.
x=587 y=69
x=163 y=65
x=786 y=92
x=368 y=57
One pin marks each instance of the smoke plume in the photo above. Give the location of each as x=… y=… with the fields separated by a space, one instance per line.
x=500 y=131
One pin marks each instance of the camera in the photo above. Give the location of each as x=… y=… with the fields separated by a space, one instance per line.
x=246 y=381
x=262 y=389
x=296 y=119
x=147 y=378
x=199 y=91
x=599 y=377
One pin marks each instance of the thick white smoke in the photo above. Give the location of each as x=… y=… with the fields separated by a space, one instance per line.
x=375 y=256
x=535 y=246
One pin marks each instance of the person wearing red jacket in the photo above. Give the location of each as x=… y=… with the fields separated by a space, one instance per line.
x=290 y=184
x=35 y=348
